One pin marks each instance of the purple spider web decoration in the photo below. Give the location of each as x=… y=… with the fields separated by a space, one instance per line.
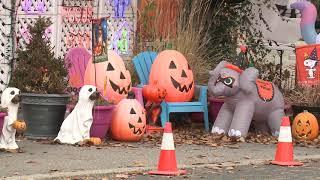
x=26 y=6
x=40 y=7
x=120 y=7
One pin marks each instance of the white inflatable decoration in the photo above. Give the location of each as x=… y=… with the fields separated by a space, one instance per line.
x=76 y=127
x=9 y=99
x=284 y=23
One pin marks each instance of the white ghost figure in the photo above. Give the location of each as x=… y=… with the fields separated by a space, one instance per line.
x=76 y=127
x=10 y=99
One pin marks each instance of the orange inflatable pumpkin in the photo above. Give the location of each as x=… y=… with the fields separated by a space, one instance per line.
x=19 y=125
x=305 y=126
x=128 y=120
x=153 y=93
x=111 y=77
x=172 y=72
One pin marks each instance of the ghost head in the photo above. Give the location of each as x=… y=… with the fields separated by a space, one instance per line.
x=310 y=63
x=88 y=93
x=10 y=97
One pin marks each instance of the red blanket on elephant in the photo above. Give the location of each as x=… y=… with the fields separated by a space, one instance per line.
x=265 y=90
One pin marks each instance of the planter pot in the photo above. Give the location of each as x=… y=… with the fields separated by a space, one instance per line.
x=102 y=116
x=2 y=115
x=213 y=110
x=314 y=110
x=44 y=113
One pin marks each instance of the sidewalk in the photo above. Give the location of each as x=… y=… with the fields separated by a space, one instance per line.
x=45 y=160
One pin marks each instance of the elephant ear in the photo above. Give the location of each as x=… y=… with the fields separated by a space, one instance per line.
x=215 y=73
x=248 y=80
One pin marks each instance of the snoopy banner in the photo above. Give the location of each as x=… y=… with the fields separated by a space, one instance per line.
x=308 y=67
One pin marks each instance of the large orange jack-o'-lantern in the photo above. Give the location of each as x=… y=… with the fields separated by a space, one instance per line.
x=128 y=120
x=111 y=77
x=172 y=72
x=305 y=126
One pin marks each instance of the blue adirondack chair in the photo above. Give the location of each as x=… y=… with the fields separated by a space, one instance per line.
x=142 y=63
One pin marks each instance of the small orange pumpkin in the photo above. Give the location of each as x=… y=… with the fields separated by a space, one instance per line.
x=95 y=141
x=153 y=93
x=305 y=126
x=19 y=125
x=171 y=71
x=128 y=120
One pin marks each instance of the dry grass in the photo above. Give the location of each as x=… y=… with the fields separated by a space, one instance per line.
x=190 y=37
x=193 y=37
x=305 y=96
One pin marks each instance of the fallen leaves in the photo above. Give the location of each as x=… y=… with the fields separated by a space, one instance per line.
x=186 y=135
x=307 y=143
x=53 y=170
x=122 y=176
x=31 y=162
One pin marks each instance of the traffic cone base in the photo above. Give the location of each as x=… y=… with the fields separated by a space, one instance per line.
x=168 y=173
x=167 y=164
x=292 y=163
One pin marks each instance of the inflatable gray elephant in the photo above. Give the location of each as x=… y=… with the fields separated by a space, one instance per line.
x=246 y=98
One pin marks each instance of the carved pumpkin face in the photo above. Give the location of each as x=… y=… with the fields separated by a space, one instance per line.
x=128 y=120
x=172 y=72
x=111 y=77
x=305 y=126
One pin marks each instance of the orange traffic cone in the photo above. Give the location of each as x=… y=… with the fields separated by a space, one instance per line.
x=284 y=153
x=167 y=164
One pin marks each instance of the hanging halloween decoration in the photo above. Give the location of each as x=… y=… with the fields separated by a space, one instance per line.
x=120 y=6
x=111 y=77
x=76 y=127
x=39 y=7
x=100 y=39
x=305 y=126
x=128 y=120
x=78 y=39
x=308 y=20
x=307 y=65
x=77 y=15
x=246 y=98
x=121 y=38
x=78 y=59
x=176 y=76
x=26 y=5
x=10 y=99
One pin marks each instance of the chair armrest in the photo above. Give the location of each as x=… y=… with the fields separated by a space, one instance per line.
x=140 y=85
x=138 y=93
x=203 y=94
